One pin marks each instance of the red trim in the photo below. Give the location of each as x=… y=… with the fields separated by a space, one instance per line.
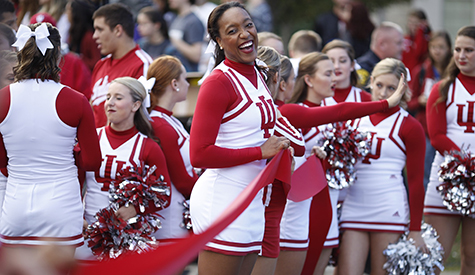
x=380 y=223
x=453 y=94
x=231 y=253
x=236 y=91
x=35 y=245
x=373 y=230
x=330 y=246
x=391 y=134
x=293 y=241
x=240 y=111
x=221 y=242
x=131 y=159
x=331 y=239
x=46 y=239
x=441 y=214
x=283 y=248
x=436 y=207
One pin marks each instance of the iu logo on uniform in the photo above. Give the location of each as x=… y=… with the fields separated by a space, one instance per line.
x=377 y=154
x=267 y=115
x=460 y=112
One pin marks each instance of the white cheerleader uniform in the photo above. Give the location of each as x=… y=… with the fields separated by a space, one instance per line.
x=378 y=199
x=217 y=188
x=42 y=199
x=458 y=99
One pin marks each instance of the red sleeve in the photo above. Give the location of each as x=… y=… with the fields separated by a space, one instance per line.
x=3 y=153
x=74 y=110
x=4 y=107
x=303 y=117
x=413 y=136
x=176 y=167
x=437 y=123
x=283 y=128
x=153 y=155
x=215 y=96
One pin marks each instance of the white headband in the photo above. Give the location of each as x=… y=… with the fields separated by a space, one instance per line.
x=41 y=35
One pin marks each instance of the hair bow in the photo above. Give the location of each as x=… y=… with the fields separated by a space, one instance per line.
x=148 y=85
x=41 y=34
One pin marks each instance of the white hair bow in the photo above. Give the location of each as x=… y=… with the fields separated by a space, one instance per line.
x=41 y=34
x=148 y=85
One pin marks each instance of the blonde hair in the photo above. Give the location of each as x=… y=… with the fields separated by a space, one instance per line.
x=391 y=66
x=138 y=93
x=272 y=59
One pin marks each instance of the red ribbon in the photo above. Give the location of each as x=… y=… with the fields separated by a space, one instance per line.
x=174 y=257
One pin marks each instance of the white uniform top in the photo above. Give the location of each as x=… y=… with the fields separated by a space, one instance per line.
x=42 y=175
x=353 y=96
x=460 y=129
x=249 y=124
x=173 y=215
x=379 y=182
x=113 y=160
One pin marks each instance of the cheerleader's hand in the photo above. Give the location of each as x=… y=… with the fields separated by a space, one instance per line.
x=395 y=98
x=418 y=241
x=84 y=228
x=126 y=212
x=273 y=145
x=319 y=152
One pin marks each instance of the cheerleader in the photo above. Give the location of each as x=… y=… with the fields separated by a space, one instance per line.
x=450 y=125
x=231 y=136
x=125 y=142
x=315 y=81
x=40 y=122
x=275 y=194
x=342 y=55
x=376 y=209
x=169 y=88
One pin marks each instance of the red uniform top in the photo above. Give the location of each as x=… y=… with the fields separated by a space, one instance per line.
x=216 y=98
x=75 y=74
x=74 y=110
x=134 y=64
x=89 y=54
x=170 y=142
x=416 y=48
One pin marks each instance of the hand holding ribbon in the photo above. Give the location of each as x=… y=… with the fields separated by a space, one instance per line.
x=41 y=35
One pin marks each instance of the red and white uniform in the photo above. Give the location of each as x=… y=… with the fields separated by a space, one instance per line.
x=451 y=126
x=295 y=221
x=378 y=199
x=174 y=141
x=134 y=64
x=119 y=150
x=228 y=129
x=275 y=194
x=350 y=94
x=39 y=122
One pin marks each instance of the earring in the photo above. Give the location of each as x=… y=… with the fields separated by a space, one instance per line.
x=177 y=89
x=221 y=48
